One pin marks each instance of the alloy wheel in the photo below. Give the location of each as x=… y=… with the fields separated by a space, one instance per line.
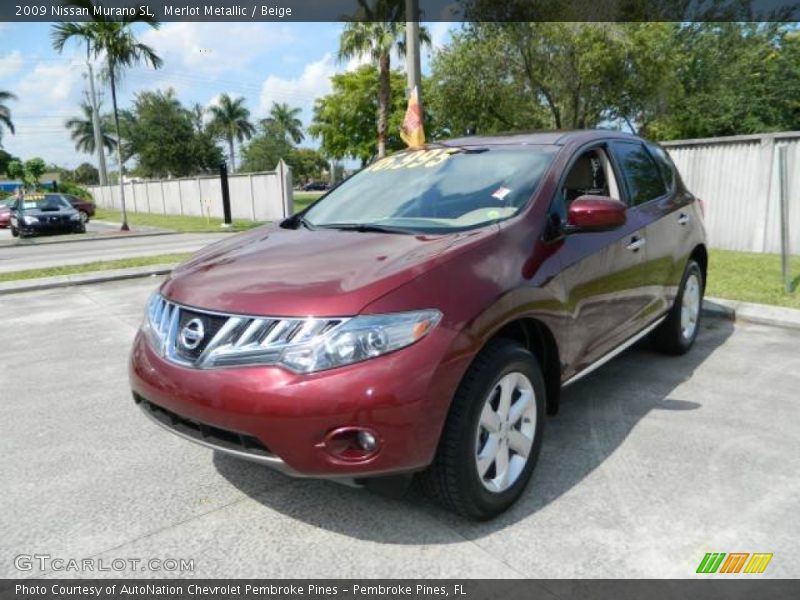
x=506 y=429
x=690 y=306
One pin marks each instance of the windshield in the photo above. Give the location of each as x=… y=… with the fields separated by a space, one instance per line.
x=44 y=203
x=436 y=190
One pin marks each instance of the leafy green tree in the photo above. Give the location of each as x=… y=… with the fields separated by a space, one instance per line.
x=230 y=119
x=306 y=164
x=344 y=120
x=5 y=112
x=378 y=29
x=266 y=148
x=161 y=136
x=114 y=41
x=82 y=132
x=86 y=174
x=34 y=169
x=199 y=117
x=16 y=170
x=5 y=160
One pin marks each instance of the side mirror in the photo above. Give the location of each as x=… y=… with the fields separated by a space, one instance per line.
x=595 y=213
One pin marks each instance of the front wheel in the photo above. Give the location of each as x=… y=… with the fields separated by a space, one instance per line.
x=676 y=335
x=492 y=435
x=84 y=217
x=14 y=231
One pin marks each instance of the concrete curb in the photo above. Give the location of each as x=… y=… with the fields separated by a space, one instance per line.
x=730 y=310
x=762 y=314
x=46 y=283
x=16 y=243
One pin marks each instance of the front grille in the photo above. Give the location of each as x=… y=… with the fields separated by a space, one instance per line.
x=210 y=434
x=224 y=339
x=211 y=326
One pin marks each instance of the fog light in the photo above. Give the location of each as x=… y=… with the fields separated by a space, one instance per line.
x=367 y=441
x=351 y=443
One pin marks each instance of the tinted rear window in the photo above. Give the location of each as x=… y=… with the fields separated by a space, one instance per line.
x=642 y=176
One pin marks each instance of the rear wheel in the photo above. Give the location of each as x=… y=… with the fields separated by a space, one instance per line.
x=493 y=434
x=14 y=231
x=677 y=333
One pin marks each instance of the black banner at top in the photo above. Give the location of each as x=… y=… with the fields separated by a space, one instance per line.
x=431 y=10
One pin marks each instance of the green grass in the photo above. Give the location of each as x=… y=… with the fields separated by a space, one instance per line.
x=100 y=265
x=188 y=224
x=173 y=222
x=751 y=277
x=303 y=199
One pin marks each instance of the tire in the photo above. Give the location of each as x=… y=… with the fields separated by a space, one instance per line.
x=80 y=228
x=453 y=479
x=676 y=335
x=84 y=217
x=14 y=231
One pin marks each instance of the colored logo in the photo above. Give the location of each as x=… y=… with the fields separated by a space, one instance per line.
x=735 y=562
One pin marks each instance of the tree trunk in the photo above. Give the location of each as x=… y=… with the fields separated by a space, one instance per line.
x=119 y=146
x=231 y=154
x=384 y=97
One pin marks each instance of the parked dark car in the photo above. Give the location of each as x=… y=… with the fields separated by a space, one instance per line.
x=315 y=186
x=84 y=207
x=423 y=317
x=44 y=213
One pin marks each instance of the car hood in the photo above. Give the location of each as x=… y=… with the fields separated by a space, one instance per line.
x=298 y=272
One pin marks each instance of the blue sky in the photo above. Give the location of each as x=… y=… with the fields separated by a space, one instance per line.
x=264 y=62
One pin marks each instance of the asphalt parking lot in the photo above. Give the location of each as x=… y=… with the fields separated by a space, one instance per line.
x=651 y=463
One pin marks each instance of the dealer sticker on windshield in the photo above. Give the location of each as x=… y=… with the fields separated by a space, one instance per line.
x=413 y=160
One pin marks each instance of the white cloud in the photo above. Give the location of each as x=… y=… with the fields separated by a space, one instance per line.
x=312 y=83
x=213 y=48
x=10 y=64
x=48 y=86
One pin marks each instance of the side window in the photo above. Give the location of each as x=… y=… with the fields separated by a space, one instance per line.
x=590 y=174
x=664 y=165
x=641 y=174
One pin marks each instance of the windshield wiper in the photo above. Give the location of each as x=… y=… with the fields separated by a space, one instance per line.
x=365 y=228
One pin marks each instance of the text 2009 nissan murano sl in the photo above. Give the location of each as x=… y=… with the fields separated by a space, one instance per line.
x=422 y=317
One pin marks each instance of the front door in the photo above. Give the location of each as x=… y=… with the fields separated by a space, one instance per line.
x=604 y=271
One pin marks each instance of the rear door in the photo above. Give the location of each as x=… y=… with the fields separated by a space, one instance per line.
x=651 y=184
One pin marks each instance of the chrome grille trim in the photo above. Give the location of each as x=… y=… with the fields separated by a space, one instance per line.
x=239 y=337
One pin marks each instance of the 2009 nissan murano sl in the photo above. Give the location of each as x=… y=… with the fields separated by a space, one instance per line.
x=422 y=317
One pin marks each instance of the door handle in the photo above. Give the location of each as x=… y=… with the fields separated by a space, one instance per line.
x=636 y=244
x=683 y=219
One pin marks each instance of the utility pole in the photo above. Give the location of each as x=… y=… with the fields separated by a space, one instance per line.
x=412 y=49
x=98 y=133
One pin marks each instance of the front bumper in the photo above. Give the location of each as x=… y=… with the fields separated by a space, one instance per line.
x=278 y=418
x=48 y=227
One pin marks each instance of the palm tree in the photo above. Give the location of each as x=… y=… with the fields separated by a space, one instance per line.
x=286 y=122
x=115 y=41
x=5 y=112
x=231 y=120
x=377 y=30
x=82 y=132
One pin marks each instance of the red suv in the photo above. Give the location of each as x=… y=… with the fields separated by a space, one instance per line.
x=423 y=316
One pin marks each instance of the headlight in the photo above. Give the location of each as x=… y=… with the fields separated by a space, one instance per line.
x=28 y=220
x=360 y=338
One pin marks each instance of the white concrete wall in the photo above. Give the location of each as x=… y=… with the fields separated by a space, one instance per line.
x=737 y=178
x=257 y=196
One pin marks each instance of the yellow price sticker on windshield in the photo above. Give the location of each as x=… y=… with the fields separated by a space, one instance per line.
x=412 y=160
